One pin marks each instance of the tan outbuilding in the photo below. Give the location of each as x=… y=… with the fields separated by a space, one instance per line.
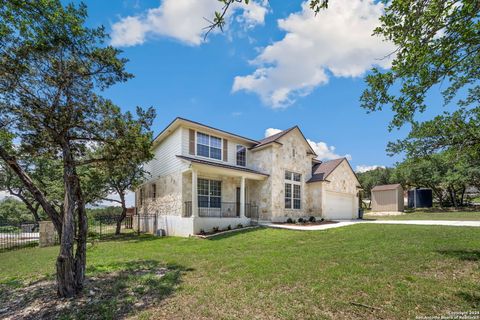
x=387 y=198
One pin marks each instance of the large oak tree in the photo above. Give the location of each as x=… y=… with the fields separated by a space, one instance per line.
x=52 y=68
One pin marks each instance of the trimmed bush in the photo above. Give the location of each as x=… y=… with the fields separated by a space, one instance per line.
x=289 y=220
x=312 y=219
x=301 y=220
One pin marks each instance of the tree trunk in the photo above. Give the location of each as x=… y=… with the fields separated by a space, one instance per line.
x=123 y=215
x=70 y=270
x=38 y=195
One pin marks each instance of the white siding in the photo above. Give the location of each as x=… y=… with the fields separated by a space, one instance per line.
x=232 y=147
x=165 y=161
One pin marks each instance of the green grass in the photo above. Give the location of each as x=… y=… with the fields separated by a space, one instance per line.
x=422 y=215
x=401 y=271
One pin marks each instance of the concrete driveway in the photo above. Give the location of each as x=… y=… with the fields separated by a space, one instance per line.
x=344 y=223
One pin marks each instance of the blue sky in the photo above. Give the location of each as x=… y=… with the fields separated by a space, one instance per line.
x=311 y=75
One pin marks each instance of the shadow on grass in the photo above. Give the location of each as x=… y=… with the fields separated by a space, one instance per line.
x=471 y=298
x=126 y=288
x=131 y=236
x=465 y=255
x=235 y=233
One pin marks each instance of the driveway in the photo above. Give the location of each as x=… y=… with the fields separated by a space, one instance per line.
x=344 y=223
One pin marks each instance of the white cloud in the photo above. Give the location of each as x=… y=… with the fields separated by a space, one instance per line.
x=323 y=151
x=326 y=152
x=337 y=42
x=364 y=168
x=183 y=20
x=271 y=131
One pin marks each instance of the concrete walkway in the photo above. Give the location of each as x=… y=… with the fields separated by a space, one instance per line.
x=344 y=223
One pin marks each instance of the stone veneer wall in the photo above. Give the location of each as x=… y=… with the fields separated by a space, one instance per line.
x=342 y=179
x=168 y=199
x=261 y=191
x=284 y=160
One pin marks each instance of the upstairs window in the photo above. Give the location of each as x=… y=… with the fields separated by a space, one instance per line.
x=241 y=156
x=209 y=146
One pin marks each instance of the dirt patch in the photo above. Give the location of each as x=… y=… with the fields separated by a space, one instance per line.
x=109 y=295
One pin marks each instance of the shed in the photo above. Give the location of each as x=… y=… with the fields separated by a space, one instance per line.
x=387 y=198
x=420 y=198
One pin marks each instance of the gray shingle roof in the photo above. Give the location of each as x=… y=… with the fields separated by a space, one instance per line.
x=321 y=171
x=221 y=165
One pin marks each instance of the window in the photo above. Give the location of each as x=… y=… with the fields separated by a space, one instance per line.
x=209 y=146
x=241 y=156
x=293 y=195
x=209 y=193
x=141 y=196
x=154 y=191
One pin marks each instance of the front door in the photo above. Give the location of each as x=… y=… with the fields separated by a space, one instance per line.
x=238 y=202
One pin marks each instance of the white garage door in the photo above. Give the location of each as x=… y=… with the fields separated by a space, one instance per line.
x=339 y=206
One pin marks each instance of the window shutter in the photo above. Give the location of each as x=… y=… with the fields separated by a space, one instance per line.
x=191 y=141
x=225 y=150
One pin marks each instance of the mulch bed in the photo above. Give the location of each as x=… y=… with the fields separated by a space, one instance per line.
x=306 y=224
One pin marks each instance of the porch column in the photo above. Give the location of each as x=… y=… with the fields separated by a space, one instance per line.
x=242 y=197
x=194 y=194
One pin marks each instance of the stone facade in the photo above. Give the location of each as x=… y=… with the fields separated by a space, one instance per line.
x=291 y=152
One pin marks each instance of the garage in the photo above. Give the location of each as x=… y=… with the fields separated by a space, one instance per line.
x=339 y=206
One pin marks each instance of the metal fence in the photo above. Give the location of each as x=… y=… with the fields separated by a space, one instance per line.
x=15 y=235
x=18 y=234
x=220 y=210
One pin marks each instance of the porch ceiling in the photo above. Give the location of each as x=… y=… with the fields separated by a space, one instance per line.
x=223 y=169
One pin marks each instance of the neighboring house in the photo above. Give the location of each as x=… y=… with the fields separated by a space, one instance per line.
x=202 y=177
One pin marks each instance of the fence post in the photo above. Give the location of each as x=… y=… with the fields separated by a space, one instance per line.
x=47 y=233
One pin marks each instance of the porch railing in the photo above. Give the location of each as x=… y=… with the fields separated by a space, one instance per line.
x=219 y=209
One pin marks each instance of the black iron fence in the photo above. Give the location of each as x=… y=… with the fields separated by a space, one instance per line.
x=15 y=235
x=18 y=234
x=106 y=226
x=220 y=210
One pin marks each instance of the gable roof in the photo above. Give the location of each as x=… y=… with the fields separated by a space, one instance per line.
x=179 y=121
x=275 y=137
x=321 y=171
x=386 y=187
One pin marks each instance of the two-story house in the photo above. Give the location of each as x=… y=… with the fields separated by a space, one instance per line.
x=202 y=177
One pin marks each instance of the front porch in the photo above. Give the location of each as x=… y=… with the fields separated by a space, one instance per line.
x=216 y=196
x=221 y=210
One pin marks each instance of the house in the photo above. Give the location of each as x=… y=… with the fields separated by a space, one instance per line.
x=202 y=177
x=387 y=198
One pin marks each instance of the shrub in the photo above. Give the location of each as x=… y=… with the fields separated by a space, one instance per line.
x=202 y=232
x=240 y=226
x=312 y=219
x=301 y=220
x=215 y=229
x=322 y=219
x=289 y=220
x=229 y=227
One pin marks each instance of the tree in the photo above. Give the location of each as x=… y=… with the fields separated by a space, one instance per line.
x=14 y=212
x=447 y=173
x=52 y=69
x=372 y=178
x=437 y=43
x=218 y=20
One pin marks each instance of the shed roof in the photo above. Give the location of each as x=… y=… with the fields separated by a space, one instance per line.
x=387 y=187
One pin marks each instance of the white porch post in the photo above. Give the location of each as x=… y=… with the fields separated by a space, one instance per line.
x=194 y=194
x=242 y=197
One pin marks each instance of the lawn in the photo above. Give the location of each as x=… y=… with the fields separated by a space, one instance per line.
x=357 y=272
x=427 y=215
